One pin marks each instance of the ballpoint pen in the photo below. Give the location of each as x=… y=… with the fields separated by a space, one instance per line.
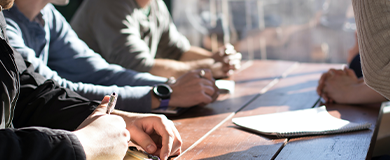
x=111 y=103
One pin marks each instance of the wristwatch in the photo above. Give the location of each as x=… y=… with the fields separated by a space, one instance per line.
x=163 y=92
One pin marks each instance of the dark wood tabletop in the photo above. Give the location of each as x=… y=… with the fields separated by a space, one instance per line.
x=254 y=76
x=267 y=87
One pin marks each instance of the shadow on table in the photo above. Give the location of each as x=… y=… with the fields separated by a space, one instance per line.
x=295 y=96
x=256 y=152
x=219 y=107
x=269 y=137
x=271 y=78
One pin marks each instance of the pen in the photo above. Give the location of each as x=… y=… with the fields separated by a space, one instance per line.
x=111 y=103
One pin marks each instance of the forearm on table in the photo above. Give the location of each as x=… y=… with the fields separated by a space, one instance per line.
x=168 y=67
x=195 y=53
x=364 y=94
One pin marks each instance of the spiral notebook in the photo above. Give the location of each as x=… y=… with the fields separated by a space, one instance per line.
x=314 y=121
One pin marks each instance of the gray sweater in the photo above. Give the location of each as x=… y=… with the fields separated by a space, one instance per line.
x=125 y=34
x=373 y=27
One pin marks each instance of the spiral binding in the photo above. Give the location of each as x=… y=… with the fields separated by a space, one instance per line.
x=341 y=130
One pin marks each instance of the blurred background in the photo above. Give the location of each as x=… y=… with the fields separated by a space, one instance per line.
x=299 y=30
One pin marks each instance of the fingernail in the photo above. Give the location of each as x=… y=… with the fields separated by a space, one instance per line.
x=150 y=148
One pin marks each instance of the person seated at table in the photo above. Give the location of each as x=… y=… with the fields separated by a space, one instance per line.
x=347 y=85
x=373 y=27
x=140 y=35
x=43 y=37
x=42 y=120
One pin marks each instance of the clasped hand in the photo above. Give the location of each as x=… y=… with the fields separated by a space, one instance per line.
x=191 y=89
x=337 y=85
x=227 y=59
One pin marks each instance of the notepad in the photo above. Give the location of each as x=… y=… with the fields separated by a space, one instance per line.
x=314 y=121
x=225 y=86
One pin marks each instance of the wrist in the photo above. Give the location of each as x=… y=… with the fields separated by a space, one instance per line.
x=155 y=100
x=206 y=63
x=171 y=80
x=83 y=140
x=162 y=92
x=353 y=95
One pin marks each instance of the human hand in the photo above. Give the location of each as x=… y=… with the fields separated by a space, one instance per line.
x=154 y=133
x=103 y=136
x=321 y=84
x=191 y=89
x=226 y=59
x=340 y=86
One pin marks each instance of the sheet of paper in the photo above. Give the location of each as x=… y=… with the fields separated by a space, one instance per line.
x=307 y=121
x=225 y=86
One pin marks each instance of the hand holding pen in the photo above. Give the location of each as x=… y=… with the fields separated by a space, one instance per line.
x=108 y=131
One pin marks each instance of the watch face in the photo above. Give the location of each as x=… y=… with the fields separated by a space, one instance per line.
x=162 y=90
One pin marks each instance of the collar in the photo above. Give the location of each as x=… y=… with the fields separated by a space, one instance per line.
x=19 y=15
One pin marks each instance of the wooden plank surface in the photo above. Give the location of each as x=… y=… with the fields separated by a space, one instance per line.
x=296 y=91
x=352 y=145
x=198 y=121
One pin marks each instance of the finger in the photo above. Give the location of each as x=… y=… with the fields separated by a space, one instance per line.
x=236 y=56
x=207 y=74
x=144 y=140
x=234 y=62
x=205 y=98
x=167 y=142
x=215 y=96
x=209 y=89
x=127 y=135
x=319 y=90
x=102 y=108
x=232 y=59
x=350 y=72
x=177 y=142
x=324 y=94
x=229 y=49
x=333 y=72
x=321 y=83
x=226 y=68
x=339 y=72
x=237 y=66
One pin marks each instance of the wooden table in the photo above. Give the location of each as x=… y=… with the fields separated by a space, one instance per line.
x=267 y=87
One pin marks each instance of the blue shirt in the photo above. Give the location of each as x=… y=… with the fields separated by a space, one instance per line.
x=56 y=52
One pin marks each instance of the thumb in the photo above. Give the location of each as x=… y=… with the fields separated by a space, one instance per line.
x=144 y=140
x=102 y=108
x=350 y=72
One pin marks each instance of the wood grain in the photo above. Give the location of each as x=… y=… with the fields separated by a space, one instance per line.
x=197 y=121
x=352 y=145
x=295 y=91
